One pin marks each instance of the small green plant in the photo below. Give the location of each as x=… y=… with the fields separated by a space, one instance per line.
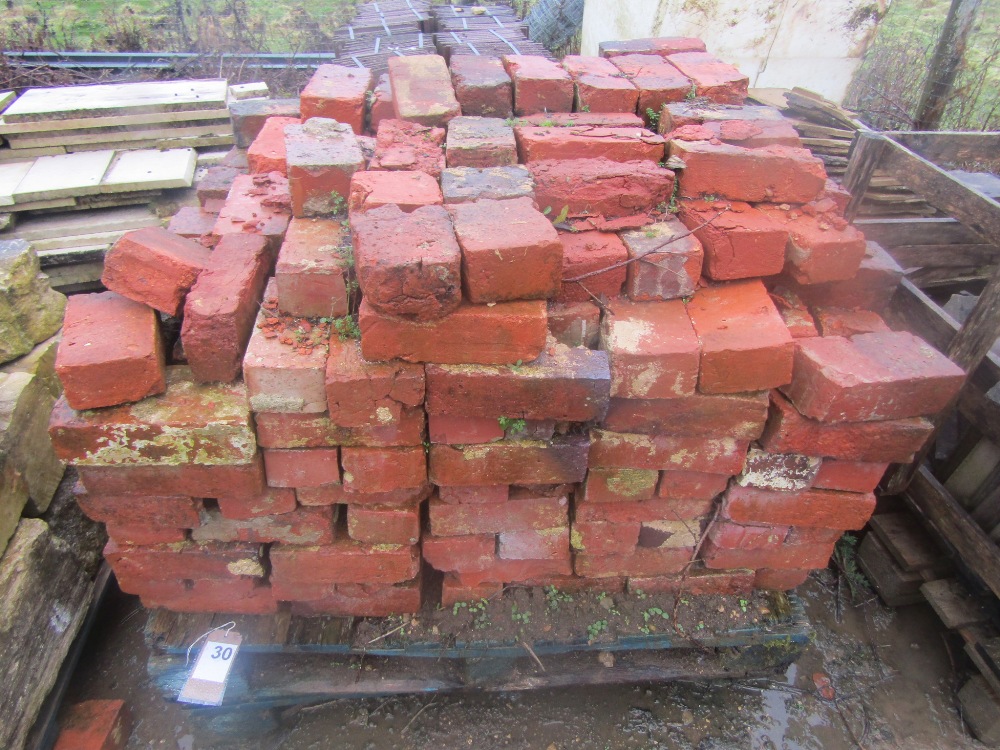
x=516 y=367
x=547 y=210
x=650 y=233
x=554 y=597
x=744 y=605
x=522 y=618
x=640 y=594
x=692 y=93
x=346 y=254
x=585 y=108
x=649 y=619
x=654 y=118
x=346 y=328
x=711 y=197
x=337 y=202
x=547 y=123
x=514 y=425
x=845 y=555
x=458 y=606
x=595 y=629
x=480 y=617
x=562 y=215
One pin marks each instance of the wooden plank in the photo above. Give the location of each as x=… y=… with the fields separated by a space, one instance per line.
x=974 y=469
x=915 y=256
x=52 y=259
x=11 y=175
x=155 y=118
x=66 y=176
x=953 y=603
x=867 y=153
x=891 y=233
x=984 y=664
x=6 y=97
x=896 y=587
x=910 y=545
x=981 y=710
x=122 y=135
x=150 y=170
x=164 y=143
x=8 y=154
x=935 y=277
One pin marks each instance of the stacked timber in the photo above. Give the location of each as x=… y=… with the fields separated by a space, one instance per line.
x=380 y=30
x=487 y=30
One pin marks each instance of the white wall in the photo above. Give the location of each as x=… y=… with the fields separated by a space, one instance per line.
x=816 y=44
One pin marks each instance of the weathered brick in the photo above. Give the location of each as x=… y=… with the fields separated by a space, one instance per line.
x=359 y=600
x=653 y=350
x=786 y=557
x=534 y=544
x=537 y=143
x=871 y=288
x=712 y=78
x=287 y=430
x=482 y=86
x=495 y=493
x=574 y=323
x=454 y=591
x=337 y=92
x=818 y=249
x=193 y=223
x=370 y=470
x=812 y=535
x=359 y=392
x=669 y=534
x=267 y=152
x=466 y=553
x=378 y=524
x=540 y=85
x=322 y=157
x=257 y=204
x=408 y=190
x=849 y=476
x=145 y=534
x=621 y=450
x=522 y=262
x=587 y=119
x=381 y=106
x=242 y=596
x=301 y=526
x=836 y=321
x=221 y=308
x=662 y=46
x=480 y=142
x=729 y=535
x=192 y=480
x=510 y=462
x=745 y=344
x=309 y=275
x=794 y=313
x=744 y=133
x=783 y=472
x=410 y=147
x=465 y=184
x=110 y=352
x=656 y=80
x=344 y=561
x=640 y=513
x=408 y=264
x=673 y=266
x=620 y=485
x=598 y=85
x=174 y=512
x=136 y=566
x=691 y=485
x=740 y=243
x=421 y=89
x=301 y=467
x=642 y=562
x=828 y=509
x=504 y=333
x=249 y=116
x=216 y=183
x=95 y=725
x=601 y=187
x=599 y=538
x=736 y=415
x=271 y=501
x=697 y=581
x=334 y=494
x=527 y=572
x=458 y=430
x=780 y=580
x=590 y=252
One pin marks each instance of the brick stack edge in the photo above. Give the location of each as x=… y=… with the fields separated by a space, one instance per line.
x=709 y=417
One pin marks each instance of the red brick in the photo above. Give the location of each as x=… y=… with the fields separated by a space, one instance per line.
x=272 y=501
x=599 y=87
x=729 y=535
x=737 y=415
x=745 y=344
x=221 y=308
x=873 y=376
x=639 y=513
x=522 y=262
x=216 y=183
x=410 y=147
x=653 y=350
x=794 y=313
x=378 y=524
x=518 y=571
x=572 y=584
x=280 y=377
x=267 y=152
x=453 y=591
x=669 y=534
x=95 y=725
x=624 y=144
x=504 y=333
x=368 y=470
x=304 y=467
x=408 y=190
x=257 y=204
x=780 y=580
x=643 y=562
x=510 y=462
x=620 y=485
x=344 y=561
x=746 y=133
x=712 y=78
x=421 y=89
x=586 y=252
x=337 y=92
x=828 y=509
x=836 y=321
x=380 y=103
x=276 y=430
x=143 y=533
x=155 y=267
x=334 y=494
x=666 y=452
x=408 y=265
x=465 y=553
x=574 y=323
x=445 y=428
x=309 y=275
x=463 y=519
x=465 y=184
x=775 y=174
x=740 y=243
x=588 y=119
x=785 y=557
x=480 y=142
x=849 y=476
x=662 y=46
x=540 y=85
x=691 y=485
x=323 y=155
x=807 y=535
x=172 y=512
x=563 y=384
x=193 y=480
x=360 y=393
x=672 y=268
x=243 y=596
x=494 y=493
x=782 y=472
x=697 y=581
x=657 y=80
x=819 y=251
x=599 y=538
x=360 y=600
x=301 y=526
x=482 y=86
x=249 y=116
x=135 y=567
x=601 y=187
x=534 y=544
x=193 y=223
x=110 y=351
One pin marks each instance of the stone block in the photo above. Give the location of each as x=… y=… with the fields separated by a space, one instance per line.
x=465 y=184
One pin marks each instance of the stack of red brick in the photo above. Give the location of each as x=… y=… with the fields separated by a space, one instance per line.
x=531 y=353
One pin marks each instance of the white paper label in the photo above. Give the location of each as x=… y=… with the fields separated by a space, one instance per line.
x=214 y=662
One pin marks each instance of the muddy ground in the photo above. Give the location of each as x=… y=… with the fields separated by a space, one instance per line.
x=891 y=672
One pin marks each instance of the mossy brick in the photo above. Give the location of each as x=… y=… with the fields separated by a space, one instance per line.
x=465 y=184
x=656 y=80
x=736 y=415
x=531 y=513
x=641 y=562
x=288 y=430
x=136 y=566
x=95 y=725
x=302 y=526
x=221 y=308
x=242 y=596
x=335 y=494
x=836 y=321
x=357 y=600
x=30 y=311
x=110 y=353
x=454 y=591
x=378 y=524
x=785 y=557
x=194 y=223
x=380 y=104
x=666 y=452
x=697 y=581
x=819 y=249
x=359 y=393
x=522 y=262
x=281 y=377
x=871 y=377
x=740 y=242
x=666 y=262
x=408 y=264
x=482 y=86
x=562 y=460
x=368 y=470
x=503 y=333
x=271 y=501
x=653 y=350
x=598 y=85
x=322 y=157
x=691 y=485
x=745 y=345
x=337 y=92
x=574 y=323
x=661 y=45
x=257 y=204
x=301 y=467
x=490 y=494
x=344 y=561
x=563 y=384
x=480 y=142
x=849 y=476
x=601 y=187
x=408 y=190
x=249 y=116
x=267 y=152
x=408 y=147
x=773 y=174
x=600 y=538
x=540 y=84
x=312 y=262
x=625 y=144
x=190 y=423
x=171 y=511
x=712 y=78
x=155 y=267
x=641 y=512
x=422 y=90
x=620 y=485
x=827 y=509
x=192 y=480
